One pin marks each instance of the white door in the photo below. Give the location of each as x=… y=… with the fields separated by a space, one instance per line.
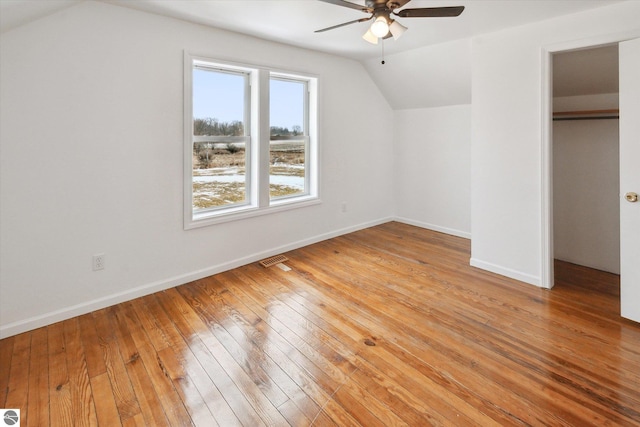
x=630 y=179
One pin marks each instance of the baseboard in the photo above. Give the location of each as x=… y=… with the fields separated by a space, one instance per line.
x=434 y=227
x=507 y=272
x=149 y=288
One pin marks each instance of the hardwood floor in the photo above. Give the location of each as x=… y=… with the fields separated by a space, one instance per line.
x=385 y=326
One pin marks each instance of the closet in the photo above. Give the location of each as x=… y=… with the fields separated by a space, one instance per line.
x=586 y=212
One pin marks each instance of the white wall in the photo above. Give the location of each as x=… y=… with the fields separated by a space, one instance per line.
x=430 y=90
x=586 y=171
x=506 y=172
x=91 y=160
x=586 y=208
x=432 y=168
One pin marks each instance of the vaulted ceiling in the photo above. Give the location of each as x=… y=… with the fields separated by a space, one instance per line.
x=428 y=67
x=294 y=22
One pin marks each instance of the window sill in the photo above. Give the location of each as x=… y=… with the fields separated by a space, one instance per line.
x=243 y=212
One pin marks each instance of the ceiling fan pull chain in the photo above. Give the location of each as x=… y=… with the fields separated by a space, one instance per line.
x=382 y=43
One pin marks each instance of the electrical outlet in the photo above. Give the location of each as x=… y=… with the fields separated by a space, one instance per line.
x=98 y=262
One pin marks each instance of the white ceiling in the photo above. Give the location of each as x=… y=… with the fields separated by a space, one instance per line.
x=14 y=13
x=294 y=21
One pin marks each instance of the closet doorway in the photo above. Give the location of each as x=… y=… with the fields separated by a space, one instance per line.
x=586 y=167
x=594 y=107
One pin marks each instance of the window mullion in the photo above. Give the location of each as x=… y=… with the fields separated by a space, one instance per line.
x=262 y=136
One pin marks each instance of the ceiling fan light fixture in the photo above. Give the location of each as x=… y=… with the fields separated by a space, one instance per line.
x=380 y=27
x=397 y=29
x=380 y=12
x=370 y=37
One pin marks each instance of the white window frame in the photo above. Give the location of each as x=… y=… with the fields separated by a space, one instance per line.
x=258 y=136
x=306 y=132
x=246 y=139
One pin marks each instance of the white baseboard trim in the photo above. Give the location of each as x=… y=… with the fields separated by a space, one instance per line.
x=434 y=227
x=507 y=272
x=31 y=323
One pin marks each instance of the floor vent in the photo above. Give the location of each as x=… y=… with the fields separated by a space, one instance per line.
x=273 y=260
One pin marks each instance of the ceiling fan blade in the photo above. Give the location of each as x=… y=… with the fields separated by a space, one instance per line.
x=342 y=25
x=349 y=5
x=430 y=12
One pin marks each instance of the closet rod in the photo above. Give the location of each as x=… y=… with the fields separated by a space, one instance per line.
x=587 y=115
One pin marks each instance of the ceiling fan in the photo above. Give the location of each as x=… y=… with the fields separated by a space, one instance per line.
x=383 y=25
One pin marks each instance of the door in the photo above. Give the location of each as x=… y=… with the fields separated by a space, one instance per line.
x=630 y=179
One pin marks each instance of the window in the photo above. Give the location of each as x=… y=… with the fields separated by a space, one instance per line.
x=250 y=141
x=221 y=146
x=289 y=137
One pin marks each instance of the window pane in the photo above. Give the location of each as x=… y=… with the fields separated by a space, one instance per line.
x=288 y=142
x=219 y=164
x=218 y=103
x=219 y=174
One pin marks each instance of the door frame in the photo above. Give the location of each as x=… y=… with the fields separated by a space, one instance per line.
x=546 y=152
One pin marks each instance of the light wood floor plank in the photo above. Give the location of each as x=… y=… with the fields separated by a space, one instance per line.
x=306 y=363
x=174 y=408
x=83 y=410
x=103 y=396
x=387 y=326
x=300 y=381
x=114 y=365
x=92 y=344
x=168 y=353
x=59 y=389
x=185 y=372
x=18 y=384
x=38 y=398
x=281 y=368
x=175 y=308
x=238 y=344
x=234 y=363
x=146 y=396
x=6 y=356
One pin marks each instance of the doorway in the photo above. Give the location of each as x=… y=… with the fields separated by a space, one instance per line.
x=585 y=153
x=629 y=131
